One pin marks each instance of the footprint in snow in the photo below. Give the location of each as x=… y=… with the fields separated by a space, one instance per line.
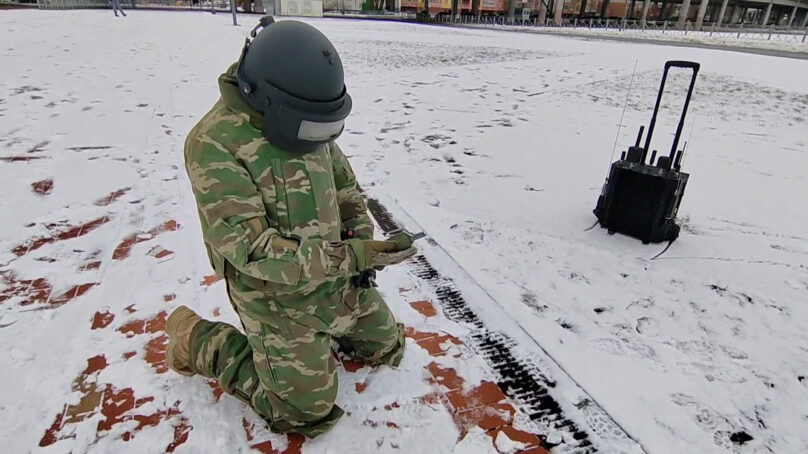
x=566 y=325
x=640 y=350
x=612 y=346
x=600 y=422
x=725 y=438
x=709 y=372
x=573 y=276
x=647 y=326
x=710 y=421
x=734 y=353
x=697 y=349
x=529 y=299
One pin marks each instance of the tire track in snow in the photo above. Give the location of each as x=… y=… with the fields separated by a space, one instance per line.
x=520 y=378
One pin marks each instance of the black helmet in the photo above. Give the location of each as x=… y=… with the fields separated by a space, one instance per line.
x=291 y=73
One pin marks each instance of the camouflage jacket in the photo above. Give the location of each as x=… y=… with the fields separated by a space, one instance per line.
x=274 y=216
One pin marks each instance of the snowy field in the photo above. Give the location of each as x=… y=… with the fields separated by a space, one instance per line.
x=497 y=144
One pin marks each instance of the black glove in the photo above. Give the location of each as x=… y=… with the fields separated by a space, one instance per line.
x=365 y=279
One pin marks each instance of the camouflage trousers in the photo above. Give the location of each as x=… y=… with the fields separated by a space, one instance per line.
x=284 y=367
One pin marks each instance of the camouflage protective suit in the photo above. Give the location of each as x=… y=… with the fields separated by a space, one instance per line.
x=272 y=223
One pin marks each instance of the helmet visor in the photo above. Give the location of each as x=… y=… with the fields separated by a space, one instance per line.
x=319 y=132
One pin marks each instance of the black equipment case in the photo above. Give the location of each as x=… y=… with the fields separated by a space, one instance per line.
x=641 y=199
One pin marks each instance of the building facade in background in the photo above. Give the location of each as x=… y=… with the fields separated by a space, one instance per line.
x=762 y=12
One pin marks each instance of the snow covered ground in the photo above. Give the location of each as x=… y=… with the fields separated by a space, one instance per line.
x=497 y=144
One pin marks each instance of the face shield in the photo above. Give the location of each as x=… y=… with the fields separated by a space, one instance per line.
x=313 y=131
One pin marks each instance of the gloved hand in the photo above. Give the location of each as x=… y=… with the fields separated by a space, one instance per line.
x=370 y=254
x=365 y=279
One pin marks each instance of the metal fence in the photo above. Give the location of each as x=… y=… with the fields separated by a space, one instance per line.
x=72 y=4
x=358 y=14
x=782 y=33
x=208 y=5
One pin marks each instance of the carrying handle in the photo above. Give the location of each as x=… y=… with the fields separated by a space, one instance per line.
x=668 y=65
x=682 y=64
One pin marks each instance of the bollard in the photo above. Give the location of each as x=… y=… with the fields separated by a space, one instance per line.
x=805 y=34
x=590 y=24
x=740 y=27
x=687 y=27
x=607 y=24
x=771 y=29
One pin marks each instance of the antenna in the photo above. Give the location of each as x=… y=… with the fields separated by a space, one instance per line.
x=690 y=136
x=625 y=105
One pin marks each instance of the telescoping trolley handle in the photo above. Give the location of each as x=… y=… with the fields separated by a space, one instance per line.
x=668 y=65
